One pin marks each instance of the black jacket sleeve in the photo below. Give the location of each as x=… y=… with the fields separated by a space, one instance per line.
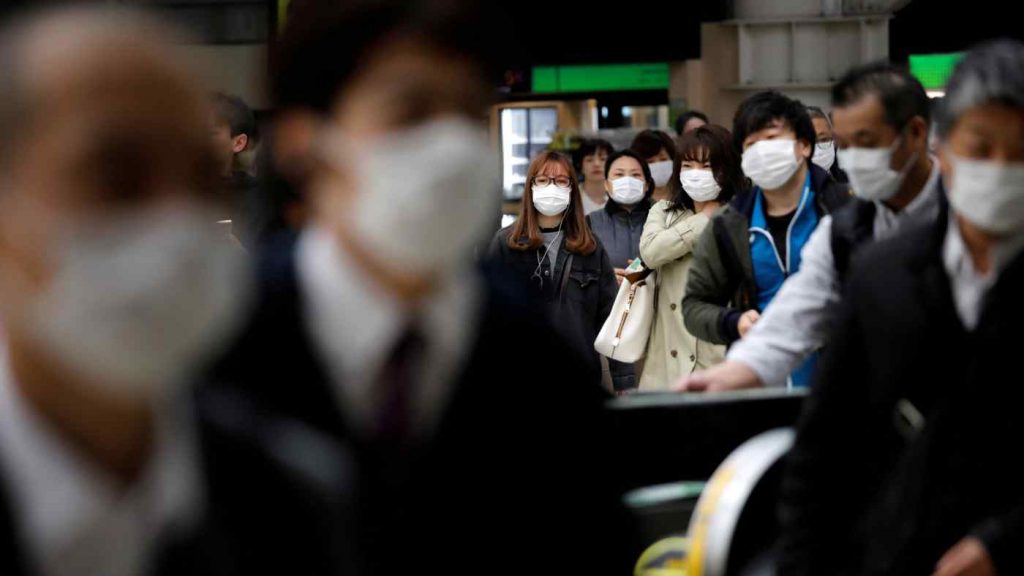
x=821 y=488
x=1003 y=537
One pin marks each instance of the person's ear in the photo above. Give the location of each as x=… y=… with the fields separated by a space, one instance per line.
x=917 y=132
x=803 y=149
x=240 y=143
x=945 y=163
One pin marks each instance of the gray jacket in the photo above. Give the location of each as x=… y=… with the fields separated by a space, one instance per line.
x=796 y=322
x=619 y=230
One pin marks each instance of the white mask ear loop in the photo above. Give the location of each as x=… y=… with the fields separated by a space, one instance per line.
x=547 y=248
x=910 y=161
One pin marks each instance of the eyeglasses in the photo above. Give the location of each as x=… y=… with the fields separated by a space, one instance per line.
x=560 y=181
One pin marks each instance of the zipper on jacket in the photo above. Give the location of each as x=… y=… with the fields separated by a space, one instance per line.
x=784 y=266
x=775 y=250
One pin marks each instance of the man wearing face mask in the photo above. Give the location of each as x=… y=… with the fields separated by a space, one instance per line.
x=479 y=435
x=882 y=121
x=755 y=243
x=825 y=148
x=115 y=286
x=909 y=434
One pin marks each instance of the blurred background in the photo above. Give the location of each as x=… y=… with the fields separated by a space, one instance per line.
x=575 y=68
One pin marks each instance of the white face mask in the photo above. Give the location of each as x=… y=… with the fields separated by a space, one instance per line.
x=136 y=302
x=661 y=172
x=627 y=190
x=824 y=157
x=771 y=163
x=870 y=171
x=700 y=185
x=424 y=195
x=551 y=200
x=989 y=195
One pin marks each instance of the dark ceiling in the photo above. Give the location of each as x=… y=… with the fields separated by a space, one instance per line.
x=574 y=31
x=592 y=31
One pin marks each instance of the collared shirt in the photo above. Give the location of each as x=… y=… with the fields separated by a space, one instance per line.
x=923 y=208
x=796 y=322
x=589 y=205
x=355 y=324
x=76 y=518
x=971 y=287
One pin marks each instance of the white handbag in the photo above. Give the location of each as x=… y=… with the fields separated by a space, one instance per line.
x=624 y=334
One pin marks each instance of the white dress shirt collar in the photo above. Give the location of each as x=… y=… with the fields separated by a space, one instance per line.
x=76 y=518
x=923 y=208
x=354 y=325
x=970 y=287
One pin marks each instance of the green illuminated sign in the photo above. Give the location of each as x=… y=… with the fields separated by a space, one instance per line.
x=933 y=70
x=600 y=78
x=282 y=14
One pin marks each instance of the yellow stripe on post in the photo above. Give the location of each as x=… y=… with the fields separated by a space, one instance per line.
x=705 y=510
x=282 y=14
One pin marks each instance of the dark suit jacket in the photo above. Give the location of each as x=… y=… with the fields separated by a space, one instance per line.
x=908 y=442
x=519 y=476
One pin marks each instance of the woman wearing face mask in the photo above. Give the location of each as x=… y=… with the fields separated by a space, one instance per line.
x=710 y=176
x=552 y=247
x=755 y=242
x=825 y=147
x=659 y=151
x=620 y=224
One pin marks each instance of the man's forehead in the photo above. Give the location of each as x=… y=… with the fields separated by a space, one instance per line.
x=774 y=127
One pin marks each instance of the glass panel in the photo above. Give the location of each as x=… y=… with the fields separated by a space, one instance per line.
x=525 y=132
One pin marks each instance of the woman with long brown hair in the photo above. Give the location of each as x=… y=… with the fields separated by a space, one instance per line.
x=552 y=248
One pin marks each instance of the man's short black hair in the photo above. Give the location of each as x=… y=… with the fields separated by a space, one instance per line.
x=326 y=41
x=233 y=112
x=902 y=96
x=764 y=109
x=686 y=117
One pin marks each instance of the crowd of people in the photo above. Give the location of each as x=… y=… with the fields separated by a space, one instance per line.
x=329 y=360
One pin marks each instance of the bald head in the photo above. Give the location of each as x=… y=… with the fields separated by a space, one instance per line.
x=100 y=126
x=97 y=94
x=89 y=54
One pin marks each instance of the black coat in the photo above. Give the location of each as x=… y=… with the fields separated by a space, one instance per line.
x=265 y=511
x=519 y=476
x=577 y=300
x=872 y=488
